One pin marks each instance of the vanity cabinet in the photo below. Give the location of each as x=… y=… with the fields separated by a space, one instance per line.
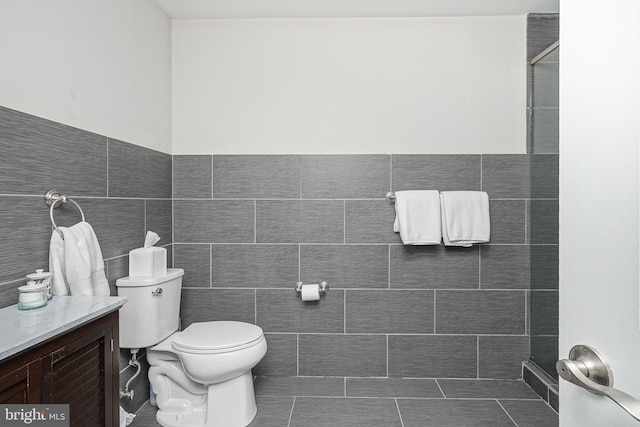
x=78 y=367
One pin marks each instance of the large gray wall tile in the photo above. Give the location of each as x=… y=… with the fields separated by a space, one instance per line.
x=544 y=312
x=442 y=172
x=26 y=231
x=254 y=266
x=380 y=312
x=281 y=310
x=118 y=223
x=115 y=268
x=195 y=260
x=345 y=266
x=506 y=175
x=343 y=355
x=480 y=312
x=434 y=267
x=544 y=266
x=39 y=155
x=213 y=221
x=504 y=267
x=345 y=176
x=9 y=292
x=256 y=177
x=508 y=221
x=281 y=358
x=545 y=130
x=159 y=219
x=542 y=30
x=502 y=356
x=205 y=305
x=370 y=221
x=544 y=351
x=544 y=176
x=192 y=177
x=546 y=84
x=138 y=172
x=543 y=220
x=300 y=221
x=433 y=356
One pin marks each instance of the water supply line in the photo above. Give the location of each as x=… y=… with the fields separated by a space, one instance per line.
x=133 y=362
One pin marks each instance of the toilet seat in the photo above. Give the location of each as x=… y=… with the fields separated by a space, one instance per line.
x=216 y=337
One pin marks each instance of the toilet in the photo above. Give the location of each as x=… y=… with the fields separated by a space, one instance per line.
x=202 y=375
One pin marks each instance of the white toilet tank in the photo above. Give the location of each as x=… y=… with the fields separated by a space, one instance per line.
x=152 y=310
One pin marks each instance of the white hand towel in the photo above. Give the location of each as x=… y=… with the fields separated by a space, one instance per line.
x=418 y=217
x=465 y=217
x=76 y=262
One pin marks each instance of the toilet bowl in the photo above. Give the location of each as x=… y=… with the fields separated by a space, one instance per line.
x=202 y=375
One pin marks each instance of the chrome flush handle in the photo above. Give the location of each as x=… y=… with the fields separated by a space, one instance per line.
x=157 y=292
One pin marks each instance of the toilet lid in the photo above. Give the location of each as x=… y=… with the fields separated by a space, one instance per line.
x=216 y=337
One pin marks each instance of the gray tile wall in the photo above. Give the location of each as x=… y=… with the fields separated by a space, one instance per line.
x=247 y=228
x=122 y=188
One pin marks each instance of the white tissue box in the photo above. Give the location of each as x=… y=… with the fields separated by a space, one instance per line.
x=148 y=262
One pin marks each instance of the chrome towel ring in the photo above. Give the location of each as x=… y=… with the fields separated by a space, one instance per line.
x=54 y=199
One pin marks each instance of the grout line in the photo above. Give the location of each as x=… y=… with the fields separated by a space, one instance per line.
x=479 y=266
x=506 y=412
x=387 y=355
x=293 y=404
x=434 y=312
x=444 y=396
x=478 y=356
x=389 y=267
x=344 y=311
x=399 y=413
x=344 y=221
x=298 y=354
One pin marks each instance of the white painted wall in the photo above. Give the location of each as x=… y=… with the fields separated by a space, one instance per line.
x=100 y=65
x=599 y=136
x=388 y=85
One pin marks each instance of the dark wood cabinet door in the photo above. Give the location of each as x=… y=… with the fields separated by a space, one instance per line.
x=79 y=374
x=20 y=382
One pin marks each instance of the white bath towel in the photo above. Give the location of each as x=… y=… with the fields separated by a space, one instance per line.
x=465 y=217
x=76 y=262
x=418 y=217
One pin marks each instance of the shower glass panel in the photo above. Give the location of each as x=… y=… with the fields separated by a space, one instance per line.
x=543 y=210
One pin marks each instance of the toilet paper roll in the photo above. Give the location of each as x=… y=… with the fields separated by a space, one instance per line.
x=310 y=292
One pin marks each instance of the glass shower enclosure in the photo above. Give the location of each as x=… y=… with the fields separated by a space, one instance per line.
x=543 y=146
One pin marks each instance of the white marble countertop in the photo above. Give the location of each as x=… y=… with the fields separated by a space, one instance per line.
x=20 y=330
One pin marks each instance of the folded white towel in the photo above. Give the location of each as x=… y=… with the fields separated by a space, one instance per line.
x=418 y=217
x=76 y=262
x=465 y=217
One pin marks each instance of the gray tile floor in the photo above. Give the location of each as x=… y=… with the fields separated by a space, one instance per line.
x=390 y=402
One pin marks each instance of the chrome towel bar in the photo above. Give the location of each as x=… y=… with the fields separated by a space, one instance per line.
x=54 y=199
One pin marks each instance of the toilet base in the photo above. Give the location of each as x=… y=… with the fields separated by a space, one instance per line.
x=232 y=404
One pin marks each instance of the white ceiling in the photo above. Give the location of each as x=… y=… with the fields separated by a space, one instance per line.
x=221 y=9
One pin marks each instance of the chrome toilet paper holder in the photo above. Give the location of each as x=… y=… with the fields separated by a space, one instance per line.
x=323 y=287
